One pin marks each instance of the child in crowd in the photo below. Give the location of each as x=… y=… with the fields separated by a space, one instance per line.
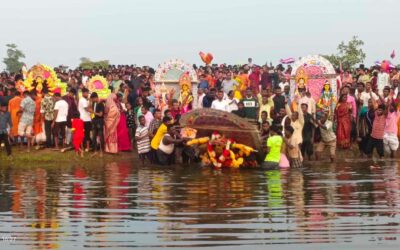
x=130 y=121
x=78 y=134
x=5 y=123
x=142 y=139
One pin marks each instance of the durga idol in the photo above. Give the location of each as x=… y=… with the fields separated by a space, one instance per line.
x=185 y=95
x=327 y=101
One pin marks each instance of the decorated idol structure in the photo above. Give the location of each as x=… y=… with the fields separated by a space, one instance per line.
x=99 y=85
x=316 y=75
x=176 y=79
x=41 y=77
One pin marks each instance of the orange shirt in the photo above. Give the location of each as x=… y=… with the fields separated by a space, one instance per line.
x=210 y=80
x=37 y=119
x=13 y=107
x=245 y=81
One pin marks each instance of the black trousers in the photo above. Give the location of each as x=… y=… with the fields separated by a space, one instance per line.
x=307 y=147
x=98 y=131
x=375 y=143
x=4 y=139
x=59 y=130
x=165 y=159
x=87 y=128
x=49 y=133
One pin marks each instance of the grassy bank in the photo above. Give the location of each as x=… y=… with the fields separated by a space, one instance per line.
x=52 y=158
x=48 y=157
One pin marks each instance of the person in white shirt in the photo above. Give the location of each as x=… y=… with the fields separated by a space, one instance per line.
x=232 y=102
x=307 y=99
x=60 y=119
x=383 y=80
x=219 y=103
x=364 y=96
x=84 y=111
x=283 y=83
x=200 y=97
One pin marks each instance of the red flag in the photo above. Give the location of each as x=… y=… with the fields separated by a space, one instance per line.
x=393 y=55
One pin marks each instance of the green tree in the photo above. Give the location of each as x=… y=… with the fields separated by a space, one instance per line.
x=86 y=63
x=12 y=61
x=349 y=54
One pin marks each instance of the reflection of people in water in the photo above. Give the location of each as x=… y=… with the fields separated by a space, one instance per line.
x=116 y=180
x=296 y=189
x=275 y=194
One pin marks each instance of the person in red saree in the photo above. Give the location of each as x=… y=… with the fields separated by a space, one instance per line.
x=111 y=120
x=124 y=143
x=343 y=118
x=78 y=134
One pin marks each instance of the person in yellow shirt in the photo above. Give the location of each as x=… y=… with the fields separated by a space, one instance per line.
x=266 y=106
x=155 y=142
x=274 y=145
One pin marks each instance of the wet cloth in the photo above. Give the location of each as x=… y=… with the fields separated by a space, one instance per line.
x=274 y=143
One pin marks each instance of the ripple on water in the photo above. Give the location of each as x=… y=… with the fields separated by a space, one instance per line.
x=123 y=206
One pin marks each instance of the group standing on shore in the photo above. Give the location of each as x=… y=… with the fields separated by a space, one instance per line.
x=135 y=115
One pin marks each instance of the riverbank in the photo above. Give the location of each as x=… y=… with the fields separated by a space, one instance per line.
x=50 y=157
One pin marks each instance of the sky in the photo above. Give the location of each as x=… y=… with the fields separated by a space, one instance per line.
x=148 y=32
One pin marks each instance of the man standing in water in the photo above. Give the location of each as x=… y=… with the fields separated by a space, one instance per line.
x=165 y=152
x=308 y=132
x=378 y=127
x=328 y=138
x=390 y=139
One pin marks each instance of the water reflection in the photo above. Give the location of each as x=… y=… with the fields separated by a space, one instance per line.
x=123 y=205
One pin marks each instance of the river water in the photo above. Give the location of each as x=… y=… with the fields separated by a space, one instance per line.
x=123 y=205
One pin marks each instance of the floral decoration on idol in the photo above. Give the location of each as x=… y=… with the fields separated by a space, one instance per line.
x=41 y=77
x=311 y=73
x=99 y=85
x=174 y=65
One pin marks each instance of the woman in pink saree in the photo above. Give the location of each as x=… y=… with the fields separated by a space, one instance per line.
x=111 y=119
x=124 y=143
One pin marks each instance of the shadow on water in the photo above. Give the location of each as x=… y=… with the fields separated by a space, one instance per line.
x=125 y=205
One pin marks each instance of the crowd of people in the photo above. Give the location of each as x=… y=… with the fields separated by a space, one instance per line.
x=133 y=117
